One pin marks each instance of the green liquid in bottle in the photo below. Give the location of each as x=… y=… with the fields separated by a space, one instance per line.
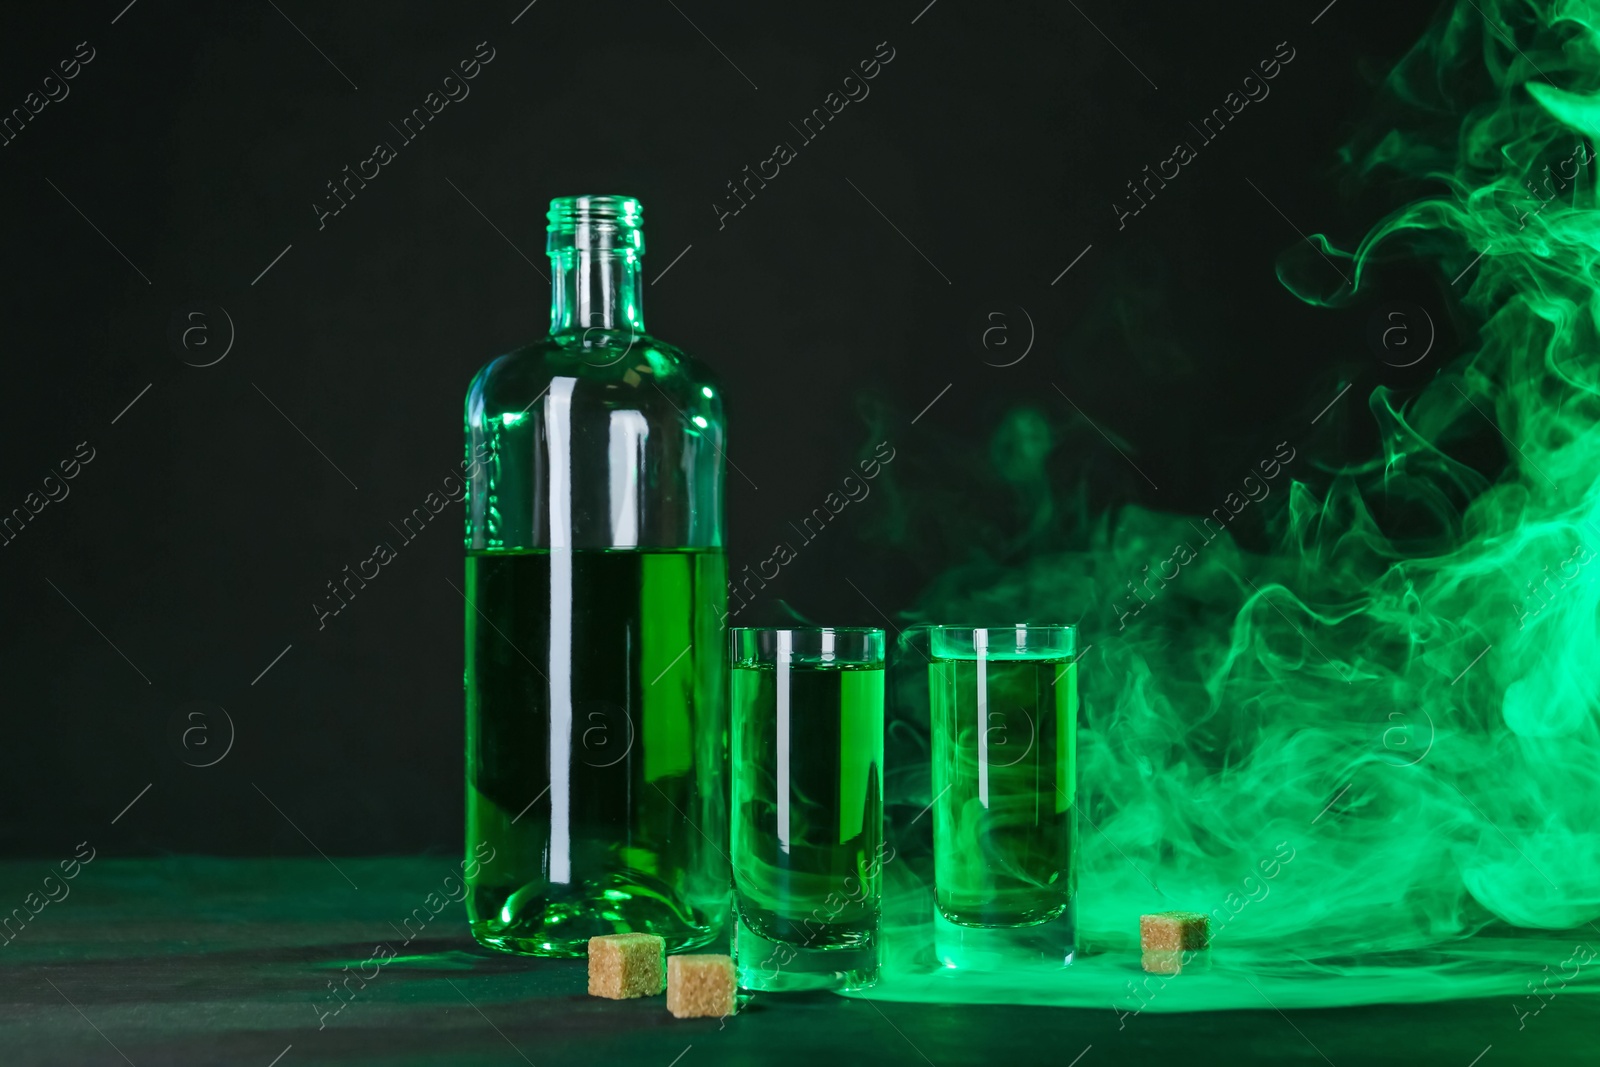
x=807 y=811
x=1004 y=783
x=594 y=679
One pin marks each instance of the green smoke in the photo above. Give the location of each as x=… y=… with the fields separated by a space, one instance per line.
x=1400 y=694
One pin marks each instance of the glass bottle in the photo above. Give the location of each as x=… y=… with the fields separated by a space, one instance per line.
x=596 y=603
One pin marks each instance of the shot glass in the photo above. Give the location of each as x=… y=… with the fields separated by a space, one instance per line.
x=1004 y=710
x=807 y=819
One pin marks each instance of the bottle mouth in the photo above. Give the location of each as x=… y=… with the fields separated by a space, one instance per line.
x=595 y=224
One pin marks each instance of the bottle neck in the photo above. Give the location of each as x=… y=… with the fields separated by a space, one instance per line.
x=596 y=290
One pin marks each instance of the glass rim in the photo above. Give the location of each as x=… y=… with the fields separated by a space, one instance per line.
x=615 y=208
x=805 y=630
x=595 y=223
x=1030 y=627
x=862 y=646
x=1003 y=642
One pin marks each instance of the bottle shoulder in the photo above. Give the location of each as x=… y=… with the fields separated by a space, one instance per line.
x=615 y=366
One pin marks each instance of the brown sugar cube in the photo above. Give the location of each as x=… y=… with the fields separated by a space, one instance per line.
x=1166 y=961
x=700 y=987
x=626 y=965
x=1174 y=931
x=1162 y=961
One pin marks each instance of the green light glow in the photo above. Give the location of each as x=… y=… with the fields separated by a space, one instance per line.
x=700 y=421
x=513 y=418
x=705 y=391
x=1371 y=751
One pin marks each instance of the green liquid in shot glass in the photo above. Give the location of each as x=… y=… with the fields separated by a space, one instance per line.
x=808 y=804
x=1004 y=783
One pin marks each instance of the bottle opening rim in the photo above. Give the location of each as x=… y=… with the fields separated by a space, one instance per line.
x=595 y=224
x=569 y=212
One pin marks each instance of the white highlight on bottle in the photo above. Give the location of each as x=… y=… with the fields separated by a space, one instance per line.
x=558 y=439
x=785 y=661
x=627 y=431
x=980 y=648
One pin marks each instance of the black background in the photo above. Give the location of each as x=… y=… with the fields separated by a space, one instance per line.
x=199 y=137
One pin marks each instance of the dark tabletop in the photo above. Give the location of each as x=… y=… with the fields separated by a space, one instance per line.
x=208 y=961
